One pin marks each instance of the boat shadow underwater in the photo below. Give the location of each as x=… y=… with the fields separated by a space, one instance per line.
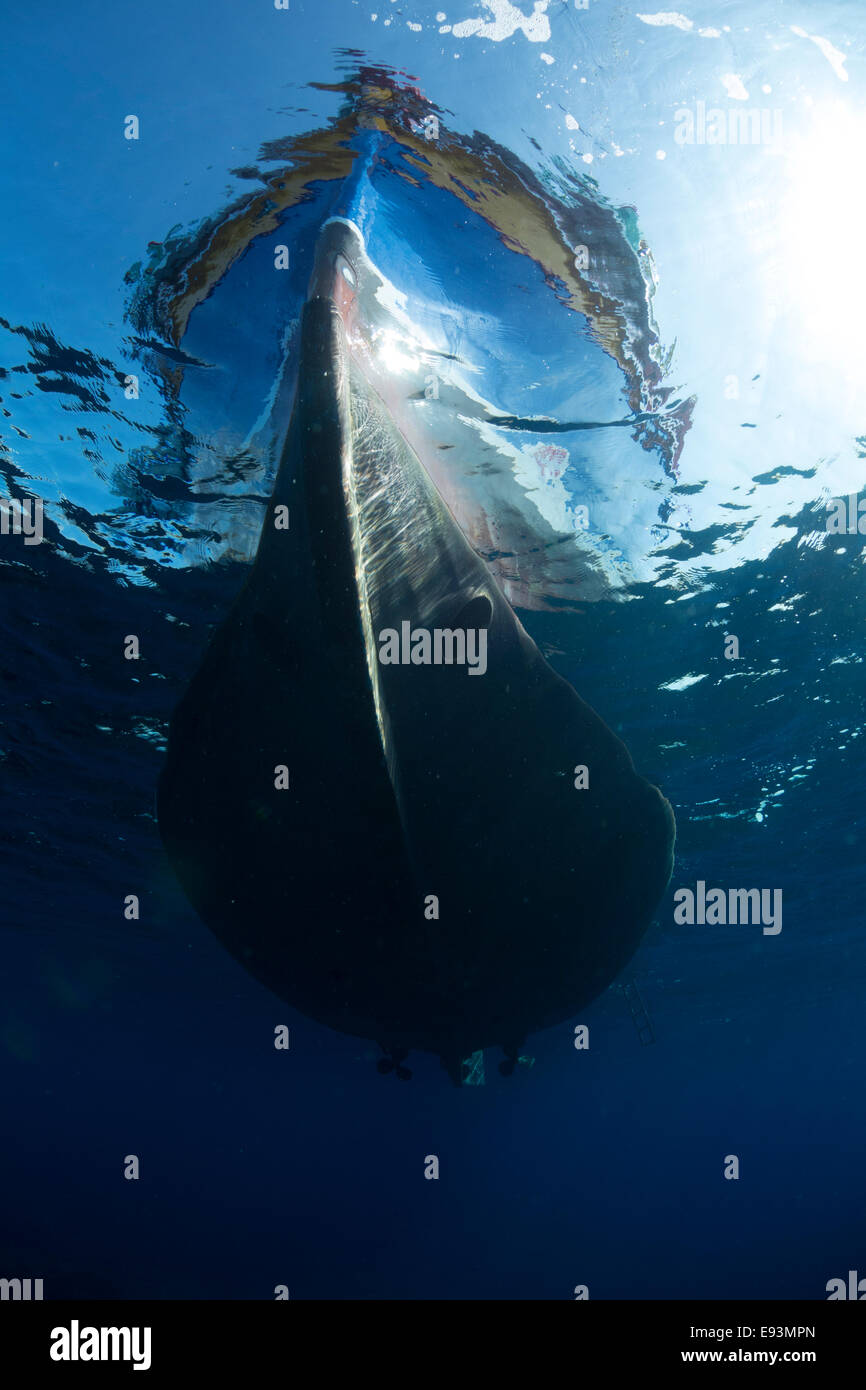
x=348 y=774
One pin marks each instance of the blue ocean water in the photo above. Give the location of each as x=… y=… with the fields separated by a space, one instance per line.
x=732 y=274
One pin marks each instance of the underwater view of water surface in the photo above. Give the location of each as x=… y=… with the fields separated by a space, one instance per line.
x=433 y=442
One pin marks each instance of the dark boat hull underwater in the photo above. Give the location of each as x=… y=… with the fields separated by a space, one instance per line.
x=352 y=828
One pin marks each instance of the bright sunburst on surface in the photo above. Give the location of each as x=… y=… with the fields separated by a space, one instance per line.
x=821 y=235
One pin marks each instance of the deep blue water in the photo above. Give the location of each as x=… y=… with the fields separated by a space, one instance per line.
x=601 y=1167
